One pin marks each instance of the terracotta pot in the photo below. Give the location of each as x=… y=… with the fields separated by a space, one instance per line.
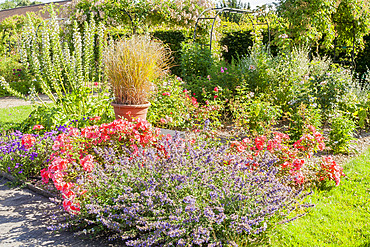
x=130 y=111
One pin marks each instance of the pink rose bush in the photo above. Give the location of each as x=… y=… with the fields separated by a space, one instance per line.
x=73 y=155
x=294 y=159
x=28 y=140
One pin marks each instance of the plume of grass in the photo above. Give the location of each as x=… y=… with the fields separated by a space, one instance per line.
x=132 y=65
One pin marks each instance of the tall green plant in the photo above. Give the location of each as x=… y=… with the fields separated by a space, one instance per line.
x=68 y=73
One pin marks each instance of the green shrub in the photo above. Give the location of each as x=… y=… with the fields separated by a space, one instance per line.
x=256 y=67
x=330 y=87
x=11 y=29
x=226 y=77
x=253 y=113
x=362 y=60
x=53 y=115
x=173 y=107
x=341 y=134
x=195 y=61
x=16 y=74
x=236 y=44
x=173 y=38
x=303 y=116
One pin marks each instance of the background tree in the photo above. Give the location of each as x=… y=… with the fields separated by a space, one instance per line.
x=235 y=4
x=318 y=23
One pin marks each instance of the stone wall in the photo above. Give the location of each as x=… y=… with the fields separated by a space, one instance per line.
x=23 y=10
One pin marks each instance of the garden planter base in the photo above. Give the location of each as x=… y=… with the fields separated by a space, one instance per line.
x=130 y=111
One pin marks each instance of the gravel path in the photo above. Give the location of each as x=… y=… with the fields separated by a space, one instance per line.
x=11 y=101
x=24 y=217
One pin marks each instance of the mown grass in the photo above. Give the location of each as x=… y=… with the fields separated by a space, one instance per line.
x=341 y=216
x=11 y=117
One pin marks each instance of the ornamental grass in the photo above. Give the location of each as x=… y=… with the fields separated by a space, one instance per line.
x=132 y=65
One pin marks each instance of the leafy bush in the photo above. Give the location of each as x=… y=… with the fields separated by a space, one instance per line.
x=51 y=116
x=330 y=87
x=253 y=114
x=302 y=116
x=225 y=77
x=185 y=194
x=195 y=61
x=256 y=67
x=24 y=155
x=341 y=134
x=236 y=44
x=16 y=74
x=362 y=60
x=10 y=31
x=173 y=107
x=173 y=38
x=143 y=13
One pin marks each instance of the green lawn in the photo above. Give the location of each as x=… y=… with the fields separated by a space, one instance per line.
x=341 y=216
x=11 y=117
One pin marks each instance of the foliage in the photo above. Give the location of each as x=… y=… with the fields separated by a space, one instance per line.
x=10 y=32
x=302 y=116
x=51 y=115
x=132 y=65
x=236 y=44
x=363 y=59
x=221 y=83
x=199 y=191
x=195 y=61
x=70 y=76
x=232 y=17
x=309 y=22
x=173 y=39
x=10 y=4
x=330 y=87
x=256 y=67
x=173 y=107
x=341 y=134
x=24 y=155
x=181 y=13
x=16 y=74
x=253 y=114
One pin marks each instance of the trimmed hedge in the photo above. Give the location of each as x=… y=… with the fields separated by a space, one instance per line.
x=237 y=43
x=362 y=60
x=173 y=38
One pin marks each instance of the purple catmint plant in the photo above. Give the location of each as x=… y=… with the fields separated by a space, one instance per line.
x=185 y=194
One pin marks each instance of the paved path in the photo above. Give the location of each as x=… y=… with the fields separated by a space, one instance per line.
x=11 y=101
x=24 y=217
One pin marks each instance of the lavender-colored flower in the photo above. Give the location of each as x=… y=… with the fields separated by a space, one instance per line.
x=186 y=197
